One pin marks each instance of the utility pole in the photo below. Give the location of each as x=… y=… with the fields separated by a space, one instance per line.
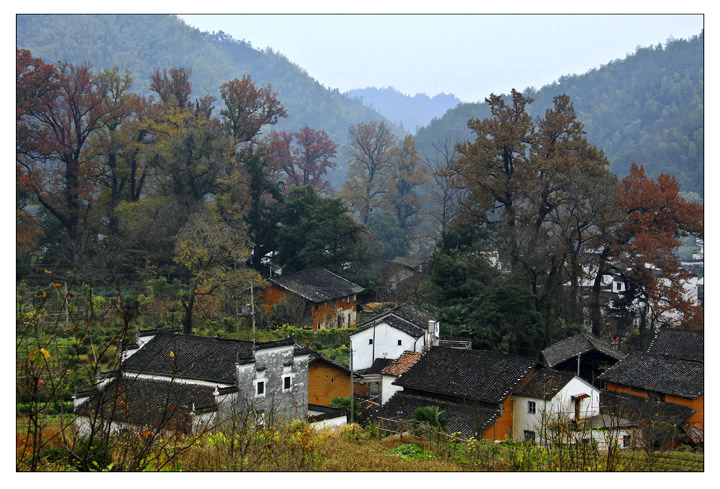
x=352 y=387
x=252 y=308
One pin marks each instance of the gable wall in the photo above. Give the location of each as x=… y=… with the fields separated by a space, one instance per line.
x=697 y=404
x=384 y=345
x=501 y=429
x=326 y=382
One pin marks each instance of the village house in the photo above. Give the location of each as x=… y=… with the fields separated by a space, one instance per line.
x=173 y=381
x=386 y=336
x=390 y=373
x=583 y=354
x=326 y=380
x=667 y=373
x=552 y=398
x=330 y=300
x=472 y=388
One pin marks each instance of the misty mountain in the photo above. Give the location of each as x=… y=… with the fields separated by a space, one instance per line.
x=409 y=112
x=646 y=108
x=146 y=43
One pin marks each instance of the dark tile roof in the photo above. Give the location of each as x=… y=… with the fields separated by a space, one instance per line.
x=377 y=366
x=658 y=374
x=685 y=344
x=640 y=410
x=468 y=374
x=578 y=344
x=155 y=404
x=326 y=412
x=196 y=357
x=406 y=317
x=544 y=384
x=467 y=418
x=317 y=285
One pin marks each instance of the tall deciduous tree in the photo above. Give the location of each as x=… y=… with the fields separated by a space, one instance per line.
x=654 y=218
x=304 y=157
x=407 y=177
x=369 y=154
x=58 y=167
x=249 y=108
x=213 y=254
x=173 y=86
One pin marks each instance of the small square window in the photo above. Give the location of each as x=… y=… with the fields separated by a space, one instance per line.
x=370 y=341
x=627 y=441
x=399 y=342
x=529 y=436
x=286 y=383
x=260 y=390
x=531 y=407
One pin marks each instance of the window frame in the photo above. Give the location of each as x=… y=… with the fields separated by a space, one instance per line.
x=531 y=407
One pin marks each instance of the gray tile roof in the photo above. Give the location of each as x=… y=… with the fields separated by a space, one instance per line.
x=578 y=344
x=640 y=410
x=467 y=418
x=468 y=374
x=657 y=373
x=544 y=383
x=195 y=357
x=406 y=317
x=317 y=285
x=685 y=344
x=155 y=404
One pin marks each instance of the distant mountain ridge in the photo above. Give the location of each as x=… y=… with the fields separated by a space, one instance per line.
x=647 y=108
x=411 y=112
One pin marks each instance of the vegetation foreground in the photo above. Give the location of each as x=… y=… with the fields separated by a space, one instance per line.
x=297 y=447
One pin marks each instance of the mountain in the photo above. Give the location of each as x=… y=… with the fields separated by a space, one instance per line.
x=409 y=112
x=146 y=43
x=646 y=108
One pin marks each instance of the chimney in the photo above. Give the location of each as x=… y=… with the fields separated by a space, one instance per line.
x=432 y=339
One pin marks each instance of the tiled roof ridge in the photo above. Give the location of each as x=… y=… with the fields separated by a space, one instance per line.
x=277 y=281
x=323 y=357
x=378 y=319
x=405 y=354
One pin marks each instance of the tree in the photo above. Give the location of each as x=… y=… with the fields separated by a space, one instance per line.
x=654 y=218
x=407 y=178
x=213 y=255
x=175 y=89
x=57 y=165
x=316 y=232
x=369 y=155
x=304 y=156
x=248 y=108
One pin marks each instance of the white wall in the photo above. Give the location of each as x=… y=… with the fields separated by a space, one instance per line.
x=561 y=406
x=385 y=343
x=388 y=389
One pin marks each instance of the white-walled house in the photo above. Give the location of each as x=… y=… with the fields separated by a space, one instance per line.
x=551 y=396
x=190 y=383
x=393 y=371
x=386 y=336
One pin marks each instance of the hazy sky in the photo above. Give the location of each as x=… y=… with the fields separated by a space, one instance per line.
x=468 y=55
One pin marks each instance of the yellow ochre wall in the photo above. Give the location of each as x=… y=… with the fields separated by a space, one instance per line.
x=326 y=382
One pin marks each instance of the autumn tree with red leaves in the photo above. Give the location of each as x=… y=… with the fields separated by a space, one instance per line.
x=58 y=166
x=654 y=218
x=304 y=157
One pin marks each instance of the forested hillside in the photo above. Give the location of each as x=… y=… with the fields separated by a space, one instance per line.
x=412 y=112
x=146 y=43
x=645 y=109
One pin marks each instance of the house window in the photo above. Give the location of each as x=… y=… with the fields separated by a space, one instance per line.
x=627 y=441
x=260 y=388
x=531 y=407
x=529 y=436
x=399 y=342
x=286 y=383
x=260 y=418
x=370 y=341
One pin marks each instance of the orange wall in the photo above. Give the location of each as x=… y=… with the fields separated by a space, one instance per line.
x=693 y=403
x=626 y=390
x=324 y=313
x=502 y=427
x=326 y=382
